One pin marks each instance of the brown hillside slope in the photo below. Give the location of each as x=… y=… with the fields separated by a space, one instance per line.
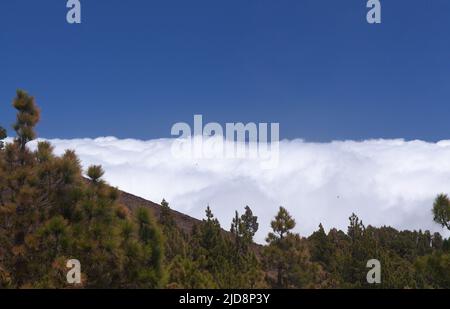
x=183 y=221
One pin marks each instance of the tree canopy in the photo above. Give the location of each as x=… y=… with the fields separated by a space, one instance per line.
x=53 y=211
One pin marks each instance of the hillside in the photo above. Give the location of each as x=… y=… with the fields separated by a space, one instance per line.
x=183 y=221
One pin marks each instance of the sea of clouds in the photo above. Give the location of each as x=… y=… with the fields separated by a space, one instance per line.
x=385 y=182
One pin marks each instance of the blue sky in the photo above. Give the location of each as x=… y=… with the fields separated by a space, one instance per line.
x=133 y=68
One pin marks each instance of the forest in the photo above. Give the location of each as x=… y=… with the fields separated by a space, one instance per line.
x=52 y=211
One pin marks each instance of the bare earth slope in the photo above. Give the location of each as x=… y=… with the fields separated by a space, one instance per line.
x=183 y=221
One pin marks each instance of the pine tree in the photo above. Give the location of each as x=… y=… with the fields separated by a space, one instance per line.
x=165 y=218
x=27 y=117
x=95 y=172
x=209 y=246
x=281 y=226
x=244 y=228
x=49 y=214
x=277 y=249
x=321 y=250
x=441 y=210
x=247 y=269
x=175 y=238
x=363 y=247
x=355 y=229
x=250 y=225
x=152 y=271
x=288 y=255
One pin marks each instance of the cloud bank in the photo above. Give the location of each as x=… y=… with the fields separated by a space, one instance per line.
x=385 y=182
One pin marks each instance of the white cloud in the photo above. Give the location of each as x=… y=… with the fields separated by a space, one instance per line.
x=385 y=182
